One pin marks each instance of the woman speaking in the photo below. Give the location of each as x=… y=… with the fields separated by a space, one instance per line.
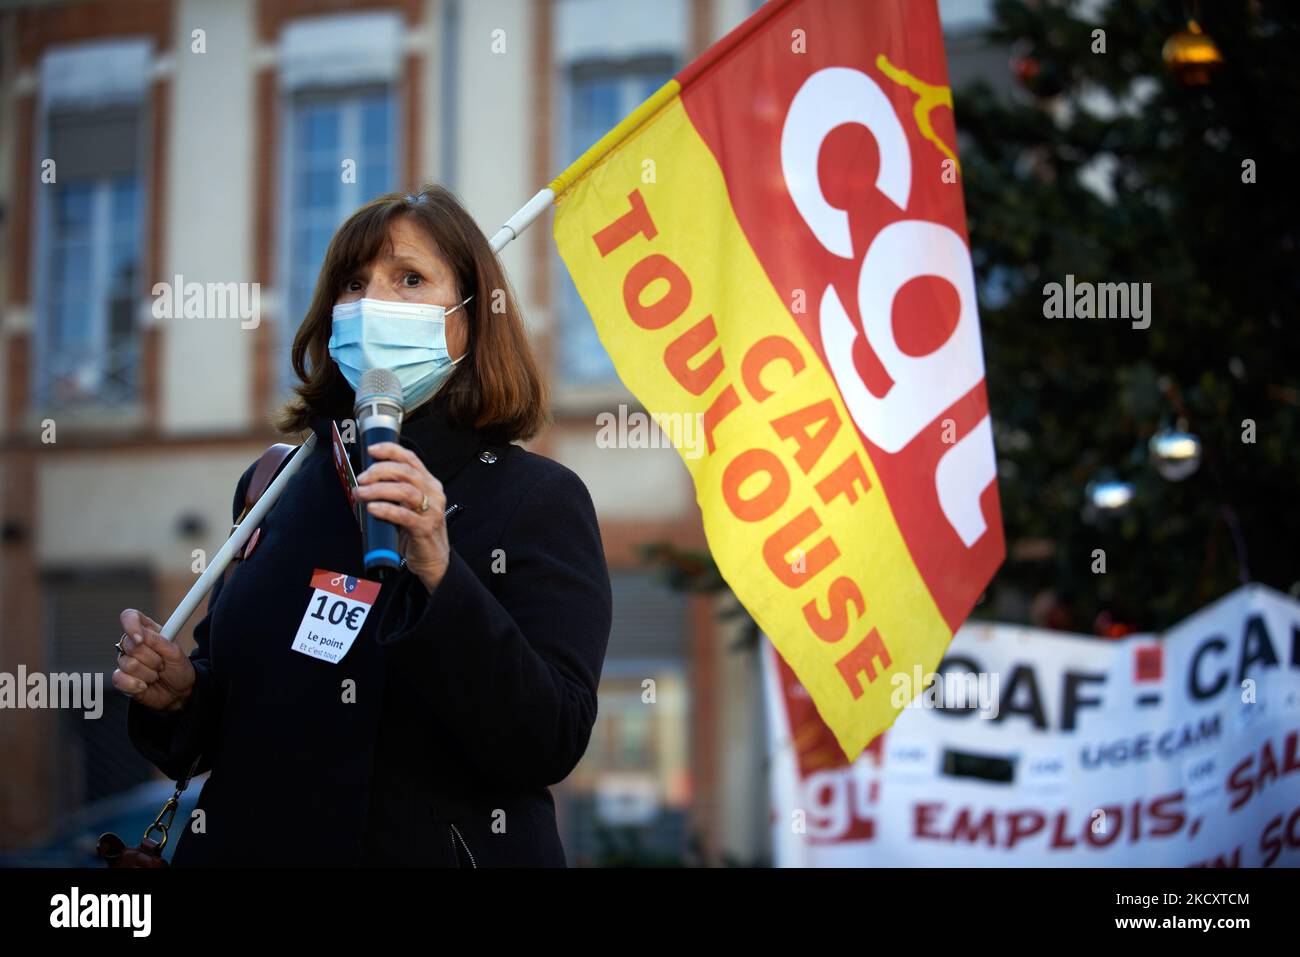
x=431 y=738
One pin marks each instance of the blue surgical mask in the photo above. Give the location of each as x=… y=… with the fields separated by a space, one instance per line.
x=410 y=338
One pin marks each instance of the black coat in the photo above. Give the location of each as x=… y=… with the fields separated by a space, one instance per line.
x=469 y=701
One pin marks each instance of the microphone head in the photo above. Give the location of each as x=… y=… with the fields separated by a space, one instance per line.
x=379 y=391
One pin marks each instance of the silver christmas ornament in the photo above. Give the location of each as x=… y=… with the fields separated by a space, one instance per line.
x=1175 y=454
x=1106 y=499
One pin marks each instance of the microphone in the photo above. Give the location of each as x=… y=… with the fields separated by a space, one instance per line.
x=379 y=419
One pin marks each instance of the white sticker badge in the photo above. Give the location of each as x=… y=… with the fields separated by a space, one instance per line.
x=337 y=610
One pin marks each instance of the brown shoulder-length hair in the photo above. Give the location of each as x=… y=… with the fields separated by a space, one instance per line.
x=499 y=387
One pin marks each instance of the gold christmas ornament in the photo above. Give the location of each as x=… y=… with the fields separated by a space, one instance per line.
x=1191 y=55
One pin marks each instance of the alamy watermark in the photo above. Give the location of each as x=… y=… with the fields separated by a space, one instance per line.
x=963 y=691
x=76 y=910
x=179 y=299
x=655 y=430
x=82 y=691
x=1106 y=300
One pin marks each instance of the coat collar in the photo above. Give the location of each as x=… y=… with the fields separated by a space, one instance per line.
x=444 y=447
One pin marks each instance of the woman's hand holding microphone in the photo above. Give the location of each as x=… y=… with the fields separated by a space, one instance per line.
x=151 y=669
x=399 y=489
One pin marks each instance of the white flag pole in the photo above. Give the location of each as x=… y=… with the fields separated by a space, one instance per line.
x=521 y=220
x=235 y=542
x=515 y=225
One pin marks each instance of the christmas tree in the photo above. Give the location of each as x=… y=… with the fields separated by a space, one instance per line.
x=1111 y=166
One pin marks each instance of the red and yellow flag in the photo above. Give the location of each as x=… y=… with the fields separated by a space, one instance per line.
x=774 y=246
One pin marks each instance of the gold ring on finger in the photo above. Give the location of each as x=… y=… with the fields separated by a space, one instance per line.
x=424 y=505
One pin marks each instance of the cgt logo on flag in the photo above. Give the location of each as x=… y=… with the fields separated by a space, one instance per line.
x=776 y=242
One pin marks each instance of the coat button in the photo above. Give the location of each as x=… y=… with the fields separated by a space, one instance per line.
x=487 y=457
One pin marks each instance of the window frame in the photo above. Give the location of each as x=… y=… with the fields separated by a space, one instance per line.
x=40 y=387
x=288 y=104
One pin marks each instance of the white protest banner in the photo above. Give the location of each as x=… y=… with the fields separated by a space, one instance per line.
x=1040 y=748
